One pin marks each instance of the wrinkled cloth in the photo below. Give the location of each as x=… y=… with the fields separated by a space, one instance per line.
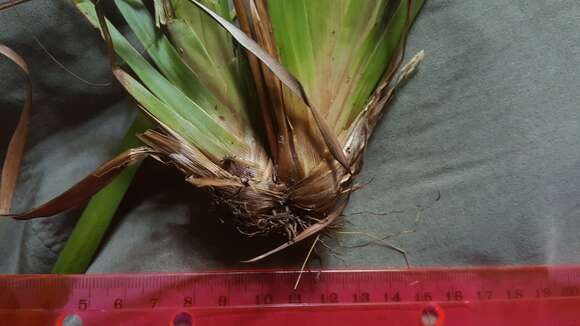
x=479 y=154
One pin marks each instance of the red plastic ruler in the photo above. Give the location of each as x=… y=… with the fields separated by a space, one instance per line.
x=538 y=295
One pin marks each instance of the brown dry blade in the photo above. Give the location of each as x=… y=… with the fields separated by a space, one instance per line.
x=269 y=87
x=258 y=81
x=287 y=161
x=214 y=182
x=87 y=187
x=11 y=3
x=310 y=231
x=15 y=152
x=285 y=77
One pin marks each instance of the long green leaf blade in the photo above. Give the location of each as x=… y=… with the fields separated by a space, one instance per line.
x=209 y=135
x=169 y=62
x=91 y=227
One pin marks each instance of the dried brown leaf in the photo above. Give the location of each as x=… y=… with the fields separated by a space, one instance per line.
x=13 y=159
x=87 y=187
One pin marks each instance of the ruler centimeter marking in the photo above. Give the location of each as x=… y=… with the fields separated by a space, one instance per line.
x=275 y=287
x=171 y=292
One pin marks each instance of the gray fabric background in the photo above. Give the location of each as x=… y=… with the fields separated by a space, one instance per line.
x=483 y=144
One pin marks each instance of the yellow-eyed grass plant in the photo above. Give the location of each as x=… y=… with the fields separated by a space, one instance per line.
x=266 y=104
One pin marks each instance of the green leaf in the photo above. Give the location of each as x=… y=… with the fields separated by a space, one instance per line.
x=291 y=23
x=209 y=52
x=170 y=64
x=156 y=108
x=90 y=229
x=374 y=61
x=338 y=49
x=207 y=134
